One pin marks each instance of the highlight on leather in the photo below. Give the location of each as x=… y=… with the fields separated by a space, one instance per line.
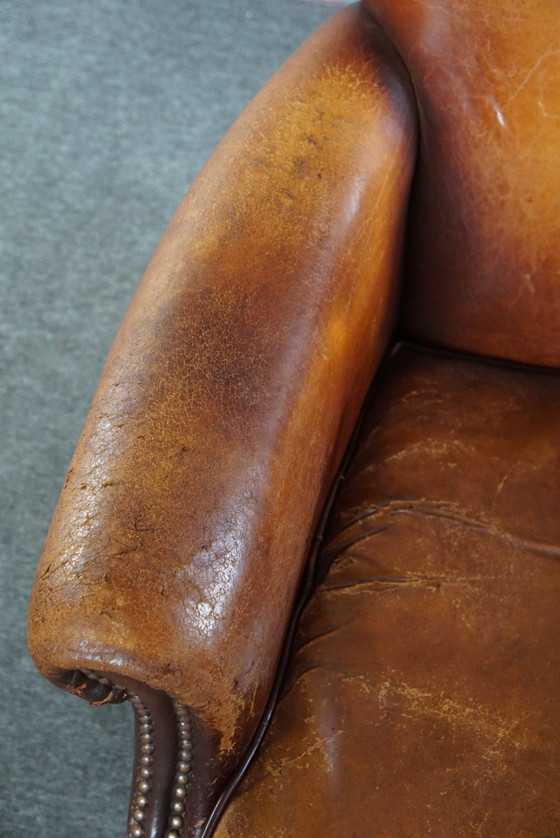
x=224 y=411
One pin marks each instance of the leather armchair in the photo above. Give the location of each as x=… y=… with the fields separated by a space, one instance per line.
x=255 y=551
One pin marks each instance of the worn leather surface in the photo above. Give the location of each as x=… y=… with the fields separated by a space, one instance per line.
x=231 y=392
x=425 y=679
x=483 y=259
x=422 y=697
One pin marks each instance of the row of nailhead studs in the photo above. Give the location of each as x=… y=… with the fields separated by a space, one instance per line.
x=95 y=677
x=145 y=771
x=144 y=767
x=116 y=692
x=183 y=772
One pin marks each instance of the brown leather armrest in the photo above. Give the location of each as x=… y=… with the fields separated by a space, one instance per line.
x=228 y=400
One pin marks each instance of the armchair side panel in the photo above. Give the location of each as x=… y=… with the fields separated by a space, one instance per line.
x=226 y=405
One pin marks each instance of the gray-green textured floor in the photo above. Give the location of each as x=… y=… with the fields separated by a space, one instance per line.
x=108 y=108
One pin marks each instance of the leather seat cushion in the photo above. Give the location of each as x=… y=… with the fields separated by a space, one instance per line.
x=422 y=697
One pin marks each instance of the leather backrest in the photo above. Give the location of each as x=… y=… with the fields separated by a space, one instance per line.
x=483 y=270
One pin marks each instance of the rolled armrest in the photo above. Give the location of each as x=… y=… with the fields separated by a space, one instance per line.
x=225 y=408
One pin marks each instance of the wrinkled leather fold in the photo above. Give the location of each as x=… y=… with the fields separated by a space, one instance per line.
x=230 y=394
x=422 y=693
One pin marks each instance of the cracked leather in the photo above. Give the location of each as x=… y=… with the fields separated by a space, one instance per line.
x=422 y=696
x=425 y=675
x=230 y=394
x=483 y=261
